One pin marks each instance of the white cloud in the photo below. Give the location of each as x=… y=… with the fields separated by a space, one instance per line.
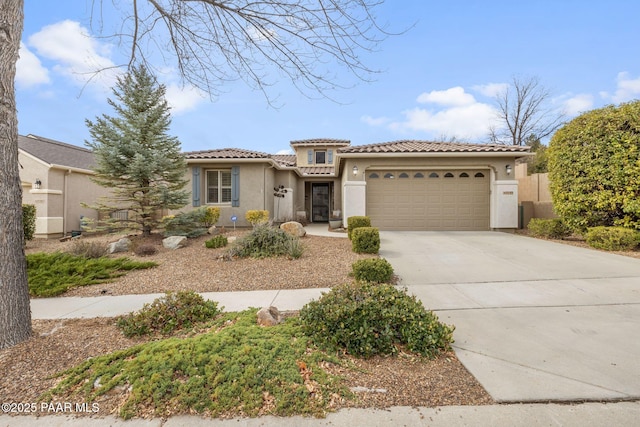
x=628 y=88
x=29 y=69
x=75 y=52
x=454 y=96
x=286 y=151
x=468 y=122
x=182 y=99
x=375 y=121
x=491 y=89
x=578 y=104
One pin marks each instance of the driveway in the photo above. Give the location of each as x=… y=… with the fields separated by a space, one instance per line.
x=535 y=320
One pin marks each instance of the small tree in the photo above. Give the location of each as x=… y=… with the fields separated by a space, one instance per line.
x=135 y=157
x=594 y=165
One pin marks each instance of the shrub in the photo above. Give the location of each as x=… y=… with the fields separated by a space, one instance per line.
x=174 y=311
x=266 y=241
x=375 y=270
x=354 y=222
x=366 y=240
x=211 y=216
x=89 y=250
x=550 y=228
x=145 y=250
x=216 y=242
x=190 y=224
x=29 y=221
x=594 y=164
x=613 y=238
x=257 y=217
x=366 y=319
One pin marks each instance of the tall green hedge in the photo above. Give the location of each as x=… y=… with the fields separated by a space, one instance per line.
x=594 y=165
x=354 y=222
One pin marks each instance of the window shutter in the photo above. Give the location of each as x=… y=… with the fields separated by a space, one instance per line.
x=235 y=186
x=196 y=186
x=330 y=157
x=310 y=157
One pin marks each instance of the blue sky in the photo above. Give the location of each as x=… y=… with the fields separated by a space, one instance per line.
x=437 y=81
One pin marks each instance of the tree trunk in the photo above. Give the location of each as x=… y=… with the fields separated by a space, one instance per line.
x=15 y=311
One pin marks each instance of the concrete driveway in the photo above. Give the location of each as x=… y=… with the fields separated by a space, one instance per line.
x=535 y=320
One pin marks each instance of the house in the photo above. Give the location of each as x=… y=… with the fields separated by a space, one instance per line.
x=56 y=179
x=400 y=185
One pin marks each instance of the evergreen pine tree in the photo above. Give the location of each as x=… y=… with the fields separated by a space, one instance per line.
x=135 y=157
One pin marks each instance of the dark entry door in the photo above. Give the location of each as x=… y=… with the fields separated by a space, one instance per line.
x=320 y=202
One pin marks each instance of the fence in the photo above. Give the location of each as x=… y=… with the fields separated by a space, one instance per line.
x=534 y=195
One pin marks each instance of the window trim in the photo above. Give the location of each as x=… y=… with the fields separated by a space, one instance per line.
x=220 y=187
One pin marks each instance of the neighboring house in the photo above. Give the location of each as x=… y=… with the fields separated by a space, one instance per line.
x=56 y=179
x=400 y=185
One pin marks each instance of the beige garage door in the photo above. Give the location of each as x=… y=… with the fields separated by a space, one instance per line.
x=428 y=200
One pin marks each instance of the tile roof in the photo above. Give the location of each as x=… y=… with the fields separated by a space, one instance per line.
x=320 y=141
x=412 y=146
x=226 y=153
x=285 y=160
x=317 y=170
x=56 y=152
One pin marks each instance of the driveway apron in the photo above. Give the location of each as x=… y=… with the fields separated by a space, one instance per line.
x=535 y=320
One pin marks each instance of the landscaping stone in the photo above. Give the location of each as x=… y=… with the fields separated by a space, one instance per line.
x=269 y=316
x=213 y=230
x=121 y=245
x=174 y=242
x=294 y=228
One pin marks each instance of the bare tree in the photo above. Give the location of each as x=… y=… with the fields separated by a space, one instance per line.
x=212 y=42
x=524 y=111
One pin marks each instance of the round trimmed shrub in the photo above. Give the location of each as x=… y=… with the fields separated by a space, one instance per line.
x=613 y=238
x=374 y=270
x=553 y=228
x=365 y=240
x=366 y=319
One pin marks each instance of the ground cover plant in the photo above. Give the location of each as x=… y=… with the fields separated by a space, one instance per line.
x=553 y=228
x=613 y=238
x=51 y=274
x=229 y=366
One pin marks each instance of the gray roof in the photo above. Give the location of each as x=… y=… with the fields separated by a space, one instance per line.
x=412 y=146
x=56 y=152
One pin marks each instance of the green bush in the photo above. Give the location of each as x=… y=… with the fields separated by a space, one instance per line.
x=211 y=216
x=257 y=217
x=366 y=319
x=190 y=224
x=267 y=241
x=29 y=221
x=216 y=242
x=375 y=270
x=550 y=228
x=89 y=250
x=354 y=222
x=365 y=240
x=613 y=238
x=174 y=311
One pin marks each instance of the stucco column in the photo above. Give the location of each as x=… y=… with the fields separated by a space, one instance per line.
x=354 y=199
x=504 y=204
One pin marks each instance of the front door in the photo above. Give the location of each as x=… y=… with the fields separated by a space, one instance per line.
x=320 y=202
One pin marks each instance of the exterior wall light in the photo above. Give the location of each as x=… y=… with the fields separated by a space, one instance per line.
x=355 y=170
x=508 y=169
x=37 y=184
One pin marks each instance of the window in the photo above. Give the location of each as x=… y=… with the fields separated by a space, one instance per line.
x=464 y=175
x=218 y=186
x=418 y=175
x=321 y=157
x=374 y=175
x=479 y=175
x=403 y=175
x=389 y=175
x=448 y=175
x=434 y=175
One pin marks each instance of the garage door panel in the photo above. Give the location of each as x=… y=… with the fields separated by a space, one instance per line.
x=429 y=203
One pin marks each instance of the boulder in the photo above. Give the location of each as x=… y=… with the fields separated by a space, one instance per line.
x=174 y=242
x=294 y=228
x=121 y=245
x=269 y=316
x=213 y=230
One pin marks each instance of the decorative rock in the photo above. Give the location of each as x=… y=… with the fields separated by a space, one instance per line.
x=231 y=239
x=294 y=228
x=121 y=245
x=174 y=242
x=213 y=230
x=269 y=316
